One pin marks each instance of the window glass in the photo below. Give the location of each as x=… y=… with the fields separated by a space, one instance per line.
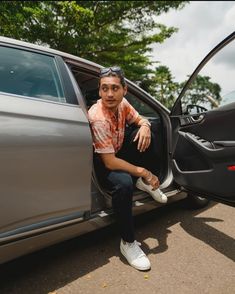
x=88 y=84
x=140 y=106
x=29 y=74
x=214 y=85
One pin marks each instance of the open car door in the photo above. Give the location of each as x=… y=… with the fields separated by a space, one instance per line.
x=203 y=125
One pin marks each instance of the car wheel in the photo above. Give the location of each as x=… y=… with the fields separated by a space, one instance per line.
x=195 y=201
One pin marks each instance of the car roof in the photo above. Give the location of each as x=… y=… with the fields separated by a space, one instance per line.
x=47 y=50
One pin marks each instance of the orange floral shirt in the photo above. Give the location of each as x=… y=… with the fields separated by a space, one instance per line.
x=107 y=130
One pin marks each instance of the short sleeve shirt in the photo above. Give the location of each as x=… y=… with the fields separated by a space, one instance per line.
x=107 y=129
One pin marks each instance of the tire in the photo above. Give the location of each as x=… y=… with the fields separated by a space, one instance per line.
x=195 y=202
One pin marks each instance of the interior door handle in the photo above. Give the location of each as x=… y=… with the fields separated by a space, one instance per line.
x=198 y=119
x=189 y=119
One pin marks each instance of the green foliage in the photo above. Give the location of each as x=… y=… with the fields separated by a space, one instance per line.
x=162 y=86
x=203 y=92
x=109 y=33
x=106 y=32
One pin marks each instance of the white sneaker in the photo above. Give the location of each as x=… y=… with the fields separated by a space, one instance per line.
x=157 y=194
x=135 y=255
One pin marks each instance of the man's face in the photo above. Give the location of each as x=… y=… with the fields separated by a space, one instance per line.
x=111 y=92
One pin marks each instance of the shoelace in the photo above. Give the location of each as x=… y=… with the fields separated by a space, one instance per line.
x=160 y=192
x=137 y=252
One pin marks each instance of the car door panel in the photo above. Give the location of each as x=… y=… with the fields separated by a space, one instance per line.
x=46 y=161
x=204 y=152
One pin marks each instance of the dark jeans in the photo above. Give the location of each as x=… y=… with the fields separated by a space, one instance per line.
x=121 y=183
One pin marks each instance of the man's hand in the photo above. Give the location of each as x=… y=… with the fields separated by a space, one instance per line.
x=144 y=137
x=152 y=180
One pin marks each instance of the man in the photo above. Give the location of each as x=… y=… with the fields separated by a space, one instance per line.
x=113 y=159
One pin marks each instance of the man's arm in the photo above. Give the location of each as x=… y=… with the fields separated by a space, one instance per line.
x=142 y=122
x=144 y=134
x=112 y=162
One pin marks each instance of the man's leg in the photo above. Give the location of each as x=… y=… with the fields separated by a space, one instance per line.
x=120 y=185
x=148 y=159
x=122 y=193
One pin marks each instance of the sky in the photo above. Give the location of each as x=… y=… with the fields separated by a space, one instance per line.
x=201 y=26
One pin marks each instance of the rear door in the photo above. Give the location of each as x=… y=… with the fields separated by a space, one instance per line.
x=203 y=123
x=45 y=145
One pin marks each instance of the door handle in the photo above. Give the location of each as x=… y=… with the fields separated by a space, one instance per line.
x=198 y=119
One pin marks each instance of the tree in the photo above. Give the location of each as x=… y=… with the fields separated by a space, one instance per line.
x=202 y=92
x=160 y=85
x=106 y=32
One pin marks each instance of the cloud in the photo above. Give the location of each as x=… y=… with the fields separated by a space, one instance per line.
x=226 y=57
x=230 y=17
x=202 y=25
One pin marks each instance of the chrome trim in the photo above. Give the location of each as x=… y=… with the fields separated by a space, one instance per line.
x=31 y=233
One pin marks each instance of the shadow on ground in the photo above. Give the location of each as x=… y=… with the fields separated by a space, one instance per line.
x=58 y=265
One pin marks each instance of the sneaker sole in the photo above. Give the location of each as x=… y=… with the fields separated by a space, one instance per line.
x=138 y=268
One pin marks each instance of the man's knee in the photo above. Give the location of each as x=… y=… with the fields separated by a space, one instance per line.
x=125 y=182
x=122 y=182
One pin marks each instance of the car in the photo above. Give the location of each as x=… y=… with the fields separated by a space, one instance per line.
x=49 y=190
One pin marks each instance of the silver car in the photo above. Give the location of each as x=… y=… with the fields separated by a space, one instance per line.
x=49 y=191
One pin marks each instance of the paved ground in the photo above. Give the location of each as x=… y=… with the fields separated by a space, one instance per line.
x=190 y=252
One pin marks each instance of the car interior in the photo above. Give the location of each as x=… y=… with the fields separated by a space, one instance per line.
x=88 y=84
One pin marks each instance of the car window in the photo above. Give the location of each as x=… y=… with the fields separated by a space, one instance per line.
x=29 y=74
x=143 y=109
x=214 y=85
x=88 y=84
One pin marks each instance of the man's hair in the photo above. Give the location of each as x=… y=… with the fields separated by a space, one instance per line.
x=114 y=71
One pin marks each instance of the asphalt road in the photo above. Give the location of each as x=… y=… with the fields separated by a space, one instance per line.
x=190 y=252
